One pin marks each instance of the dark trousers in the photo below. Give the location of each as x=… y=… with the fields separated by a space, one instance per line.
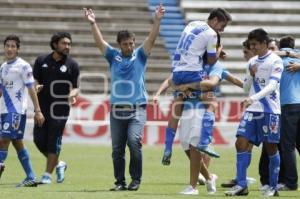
x=289 y=140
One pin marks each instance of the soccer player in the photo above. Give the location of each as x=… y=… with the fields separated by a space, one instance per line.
x=15 y=76
x=191 y=123
x=56 y=75
x=248 y=54
x=260 y=121
x=290 y=117
x=209 y=116
x=187 y=64
x=128 y=96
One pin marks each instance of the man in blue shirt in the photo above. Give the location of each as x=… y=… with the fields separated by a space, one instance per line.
x=290 y=116
x=128 y=97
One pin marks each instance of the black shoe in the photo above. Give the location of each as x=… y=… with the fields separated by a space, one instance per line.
x=119 y=187
x=134 y=185
x=2 y=167
x=229 y=183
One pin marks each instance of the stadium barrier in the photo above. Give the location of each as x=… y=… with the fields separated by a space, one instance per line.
x=89 y=121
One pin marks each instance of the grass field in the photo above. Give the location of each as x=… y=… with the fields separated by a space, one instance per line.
x=90 y=175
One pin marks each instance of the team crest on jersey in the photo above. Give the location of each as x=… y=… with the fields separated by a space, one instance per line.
x=45 y=66
x=265 y=129
x=5 y=126
x=63 y=68
x=16 y=120
x=118 y=58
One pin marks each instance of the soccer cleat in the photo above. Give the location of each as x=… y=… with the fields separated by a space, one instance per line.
x=270 y=192
x=229 y=183
x=2 y=167
x=237 y=191
x=60 y=171
x=28 y=183
x=46 y=179
x=189 y=191
x=208 y=151
x=166 y=160
x=211 y=184
x=233 y=182
x=201 y=179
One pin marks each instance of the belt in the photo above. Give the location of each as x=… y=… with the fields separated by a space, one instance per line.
x=128 y=106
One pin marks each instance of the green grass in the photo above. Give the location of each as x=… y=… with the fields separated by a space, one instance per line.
x=90 y=175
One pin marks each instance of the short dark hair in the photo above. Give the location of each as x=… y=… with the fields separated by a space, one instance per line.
x=220 y=13
x=287 y=42
x=246 y=44
x=124 y=34
x=14 y=38
x=58 y=36
x=259 y=35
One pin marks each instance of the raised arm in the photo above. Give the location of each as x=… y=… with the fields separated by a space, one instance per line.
x=100 y=42
x=149 y=42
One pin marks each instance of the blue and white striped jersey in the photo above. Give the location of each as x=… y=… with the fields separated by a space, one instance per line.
x=269 y=67
x=15 y=75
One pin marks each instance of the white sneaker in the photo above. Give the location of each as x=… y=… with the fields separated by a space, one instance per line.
x=60 y=171
x=46 y=179
x=211 y=184
x=270 y=192
x=237 y=191
x=264 y=188
x=189 y=191
x=250 y=180
x=201 y=179
x=280 y=186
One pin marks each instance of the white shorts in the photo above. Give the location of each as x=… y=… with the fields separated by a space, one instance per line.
x=190 y=125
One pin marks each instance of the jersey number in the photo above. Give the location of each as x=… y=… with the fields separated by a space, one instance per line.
x=185 y=41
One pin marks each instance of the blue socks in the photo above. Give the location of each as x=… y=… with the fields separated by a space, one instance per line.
x=170 y=134
x=207 y=128
x=249 y=156
x=274 y=168
x=242 y=160
x=26 y=164
x=3 y=155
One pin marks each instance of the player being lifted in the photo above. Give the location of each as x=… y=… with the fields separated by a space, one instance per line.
x=187 y=66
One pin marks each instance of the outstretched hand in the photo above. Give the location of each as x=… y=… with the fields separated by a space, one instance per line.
x=89 y=15
x=160 y=11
